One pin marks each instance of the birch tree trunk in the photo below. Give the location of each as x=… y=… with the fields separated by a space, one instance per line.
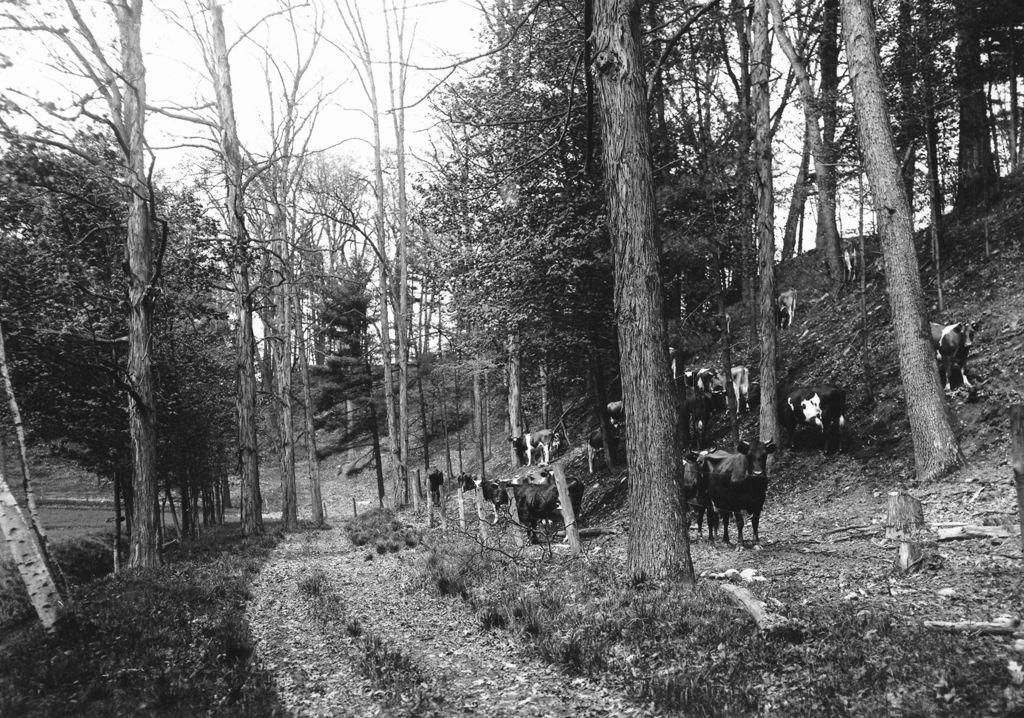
x=245 y=343
x=936 y=451
x=28 y=555
x=658 y=541
x=761 y=55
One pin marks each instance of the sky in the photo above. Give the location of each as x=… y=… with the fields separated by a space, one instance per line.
x=437 y=33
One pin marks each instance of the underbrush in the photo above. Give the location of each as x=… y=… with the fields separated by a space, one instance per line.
x=379 y=528
x=410 y=688
x=78 y=561
x=170 y=640
x=693 y=651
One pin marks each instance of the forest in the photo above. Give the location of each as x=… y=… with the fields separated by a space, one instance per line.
x=353 y=366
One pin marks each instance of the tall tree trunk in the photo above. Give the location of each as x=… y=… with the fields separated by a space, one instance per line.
x=371 y=408
x=658 y=541
x=281 y=345
x=796 y=203
x=745 y=269
x=766 y=317
x=515 y=403
x=936 y=451
x=730 y=395
x=976 y=174
x=28 y=555
x=828 y=232
x=145 y=550
x=245 y=343
x=828 y=99
x=478 y=422
x=312 y=460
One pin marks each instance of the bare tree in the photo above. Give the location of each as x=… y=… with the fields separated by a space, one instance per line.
x=936 y=451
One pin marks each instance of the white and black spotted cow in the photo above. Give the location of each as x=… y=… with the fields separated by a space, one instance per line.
x=952 y=344
x=787 y=308
x=821 y=406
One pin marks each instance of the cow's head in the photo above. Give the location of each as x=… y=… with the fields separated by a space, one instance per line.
x=967 y=331
x=556 y=440
x=467 y=481
x=811 y=409
x=756 y=456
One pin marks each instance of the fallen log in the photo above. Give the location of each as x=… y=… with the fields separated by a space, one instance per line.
x=1002 y=626
x=599 y=531
x=966 y=532
x=765 y=620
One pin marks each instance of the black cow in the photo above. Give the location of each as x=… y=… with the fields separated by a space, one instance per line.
x=698 y=408
x=537 y=502
x=436 y=481
x=952 y=343
x=493 y=492
x=696 y=499
x=822 y=406
x=709 y=382
x=737 y=483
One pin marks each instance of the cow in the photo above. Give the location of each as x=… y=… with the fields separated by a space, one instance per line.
x=822 y=406
x=738 y=482
x=493 y=492
x=616 y=413
x=538 y=502
x=851 y=251
x=741 y=387
x=545 y=441
x=436 y=480
x=952 y=343
x=595 y=446
x=695 y=495
x=698 y=408
x=709 y=382
x=787 y=308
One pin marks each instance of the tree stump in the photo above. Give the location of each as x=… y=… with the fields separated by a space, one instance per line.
x=1017 y=461
x=903 y=523
x=572 y=532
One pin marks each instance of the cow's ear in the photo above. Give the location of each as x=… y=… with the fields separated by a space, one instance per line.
x=742 y=447
x=770 y=447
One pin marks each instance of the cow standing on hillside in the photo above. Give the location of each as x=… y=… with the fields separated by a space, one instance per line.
x=738 y=482
x=436 y=480
x=699 y=407
x=787 y=308
x=851 y=252
x=741 y=387
x=595 y=446
x=538 y=501
x=952 y=344
x=616 y=413
x=695 y=495
x=822 y=406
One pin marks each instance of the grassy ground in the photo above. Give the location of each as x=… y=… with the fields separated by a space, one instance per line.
x=166 y=641
x=691 y=650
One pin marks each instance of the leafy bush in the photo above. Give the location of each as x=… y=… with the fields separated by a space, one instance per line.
x=383 y=530
x=315 y=584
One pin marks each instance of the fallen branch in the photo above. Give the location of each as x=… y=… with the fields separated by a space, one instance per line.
x=599 y=531
x=765 y=620
x=964 y=532
x=847 y=528
x=1002 y=626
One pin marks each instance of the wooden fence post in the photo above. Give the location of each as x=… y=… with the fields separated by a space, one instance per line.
x=462 y=506
x=572 y=532
x=480 y=514
x=1017 y=461
x=354 y=511
x=430 y=508
x=905 y=518
x=513 y=510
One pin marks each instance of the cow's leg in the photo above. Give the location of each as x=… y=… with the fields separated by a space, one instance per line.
x=963 y=374
x=590 y=458
x=739 y=529
x=712 y=524
x=724 y=516
x=755 y=520
x=547 y=453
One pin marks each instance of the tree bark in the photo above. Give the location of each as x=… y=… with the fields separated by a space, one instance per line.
x=658 y=541
x=28 y=555
x=976 y=174
x=767 y=306
x=281 y=344
x=1017 y=461
x=515 y=405
x=144 y=550
x=936 y=451
x=312 y=460
x=245 y=352
x=796 y=203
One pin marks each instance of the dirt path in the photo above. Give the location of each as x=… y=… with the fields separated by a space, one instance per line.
x=483 y=673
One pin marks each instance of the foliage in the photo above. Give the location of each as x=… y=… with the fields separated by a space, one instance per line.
x=164 y=641
x=380 y=528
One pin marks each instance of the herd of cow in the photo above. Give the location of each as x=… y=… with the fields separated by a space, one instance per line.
x=718 y=483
